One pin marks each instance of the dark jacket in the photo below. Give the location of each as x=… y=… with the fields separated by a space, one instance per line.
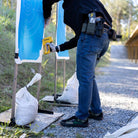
x=74 y=13
x=87 y=6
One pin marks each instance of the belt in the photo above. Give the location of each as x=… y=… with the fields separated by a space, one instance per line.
x=106 y=26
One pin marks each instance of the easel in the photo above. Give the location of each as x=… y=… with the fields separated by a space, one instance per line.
x=56 y=63
x=12 y=123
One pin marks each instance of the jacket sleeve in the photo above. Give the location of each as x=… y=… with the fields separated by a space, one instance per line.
x=47 y=7
x=69 y=44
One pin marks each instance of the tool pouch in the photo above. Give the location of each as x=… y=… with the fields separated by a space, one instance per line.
x=88 y=28
x=93 y=28
x=84 y=26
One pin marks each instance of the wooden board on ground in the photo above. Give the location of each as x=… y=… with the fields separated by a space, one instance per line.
x=57 y=103
x=41 y=122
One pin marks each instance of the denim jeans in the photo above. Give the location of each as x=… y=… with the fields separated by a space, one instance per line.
x=89 y=49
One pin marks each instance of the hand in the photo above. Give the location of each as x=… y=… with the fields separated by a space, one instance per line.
x=53 y=48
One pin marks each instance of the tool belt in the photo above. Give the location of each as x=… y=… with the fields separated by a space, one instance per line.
x=96 y=25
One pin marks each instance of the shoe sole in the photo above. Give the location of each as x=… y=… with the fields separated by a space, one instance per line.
x=95 y=118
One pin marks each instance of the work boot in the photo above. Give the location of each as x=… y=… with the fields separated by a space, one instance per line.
x=74 y=122
x=95 y=116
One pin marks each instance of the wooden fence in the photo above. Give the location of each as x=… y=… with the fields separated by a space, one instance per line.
x=132 y=46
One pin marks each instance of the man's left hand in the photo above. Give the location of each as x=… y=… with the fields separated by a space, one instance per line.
x=53 y=48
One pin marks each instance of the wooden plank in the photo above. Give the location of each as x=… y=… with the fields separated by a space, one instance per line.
x=5 y=116
x=133 y=37
x=128 y=52
x=48 y=98
x=136 y=54
x=132 y=45
x=53 y=102
x=131 y=55
x=41 y=122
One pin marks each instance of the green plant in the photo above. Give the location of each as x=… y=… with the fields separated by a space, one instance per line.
x=79 y=135
x=51 y=135
x=12 y=133
x=16 y=132
x=52 y=126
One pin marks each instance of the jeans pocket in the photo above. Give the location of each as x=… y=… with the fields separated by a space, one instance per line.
x=96 y=44
x=82 y=44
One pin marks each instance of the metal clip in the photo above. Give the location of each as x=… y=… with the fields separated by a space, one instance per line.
x=92 y=17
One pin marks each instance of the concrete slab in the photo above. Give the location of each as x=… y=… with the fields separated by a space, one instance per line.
x=5 y=116
x=41 y=122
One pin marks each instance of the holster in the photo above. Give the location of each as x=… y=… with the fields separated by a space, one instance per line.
x=112 y=34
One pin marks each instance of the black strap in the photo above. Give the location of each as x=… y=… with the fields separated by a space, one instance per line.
x=45 y=111
x=106 y=26
x=16 y=55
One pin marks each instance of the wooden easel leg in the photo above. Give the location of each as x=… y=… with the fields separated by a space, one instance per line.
x=14 y=95
x=55 y=87
x=64 y=74
x=39 y=83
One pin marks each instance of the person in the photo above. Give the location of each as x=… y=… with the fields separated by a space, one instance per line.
x=91 y=22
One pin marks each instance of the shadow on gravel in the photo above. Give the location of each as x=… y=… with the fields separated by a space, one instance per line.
x=121 y=76
x=114 y=118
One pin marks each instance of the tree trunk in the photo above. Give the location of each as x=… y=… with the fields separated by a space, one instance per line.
x=118 y=22
x=12 y=4
x=129 y=20
x=1 y=3
x=7 y=3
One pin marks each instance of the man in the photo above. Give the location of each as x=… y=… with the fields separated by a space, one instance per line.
x=91 y=22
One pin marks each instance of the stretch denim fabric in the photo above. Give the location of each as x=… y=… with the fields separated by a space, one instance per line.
x=89 y=49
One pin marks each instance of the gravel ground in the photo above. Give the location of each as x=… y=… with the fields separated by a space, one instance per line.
x=119 y=97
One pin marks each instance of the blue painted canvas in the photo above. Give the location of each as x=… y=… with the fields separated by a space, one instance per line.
x=29 y=30
x=61 y=32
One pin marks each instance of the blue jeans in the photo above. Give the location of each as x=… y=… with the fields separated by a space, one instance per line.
x=89 y=49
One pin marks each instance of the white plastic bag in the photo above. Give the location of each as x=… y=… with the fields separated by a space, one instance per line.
x=70 y=94
x=26 y=104
x=128 y=131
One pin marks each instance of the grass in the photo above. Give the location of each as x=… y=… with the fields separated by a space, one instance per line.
x=6 y=132
x=79 y=135
x=51 y=135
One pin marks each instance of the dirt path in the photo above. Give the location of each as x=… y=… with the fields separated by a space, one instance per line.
x=119 y=96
